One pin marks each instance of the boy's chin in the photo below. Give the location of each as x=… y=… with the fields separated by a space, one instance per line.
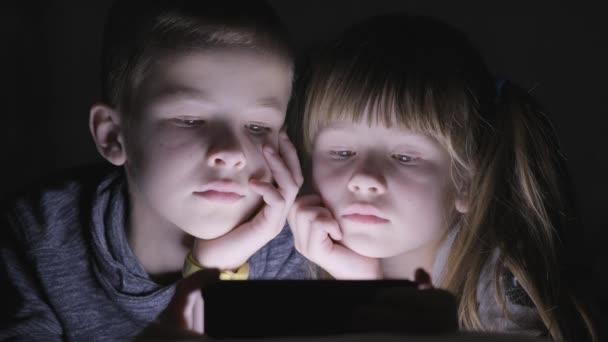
x=219 y=223
x=211 y=230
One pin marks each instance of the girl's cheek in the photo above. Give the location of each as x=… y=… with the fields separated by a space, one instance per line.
x=322 y=178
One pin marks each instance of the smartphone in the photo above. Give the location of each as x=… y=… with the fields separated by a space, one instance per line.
x=282 y=308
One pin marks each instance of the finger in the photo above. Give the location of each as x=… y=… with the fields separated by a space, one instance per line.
x=274 y=210
x=310 y=200
x=176 y=313
x=189 y=311
x=319 y=242
x=304 y=219
x=300 y=229
x=280 y=173
x=313 y=213
x=269 y=193
x=198 y=314
x=200 y=280
x=330 y=226
x=290 y=155
x=305 y=216
x=301 y=202
x=422 y=279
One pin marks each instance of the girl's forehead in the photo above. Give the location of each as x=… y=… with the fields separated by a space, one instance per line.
x=362 y=129
x=365 y=122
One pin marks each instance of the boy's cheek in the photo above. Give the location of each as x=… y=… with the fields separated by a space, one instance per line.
x=262 y=173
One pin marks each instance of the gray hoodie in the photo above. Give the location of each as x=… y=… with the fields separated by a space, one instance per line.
x=67 y=272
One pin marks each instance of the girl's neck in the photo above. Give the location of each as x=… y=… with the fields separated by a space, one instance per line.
x=160 y=246
x=403 y=266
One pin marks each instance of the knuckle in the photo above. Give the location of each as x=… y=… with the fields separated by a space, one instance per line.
x=291 y=191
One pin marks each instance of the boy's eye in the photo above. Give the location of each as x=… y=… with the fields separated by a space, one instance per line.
x=343 y=154
x=257 y=129
x=403 y=158
x=188 y=122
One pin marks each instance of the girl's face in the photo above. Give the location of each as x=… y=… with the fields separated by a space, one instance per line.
x=386 y=187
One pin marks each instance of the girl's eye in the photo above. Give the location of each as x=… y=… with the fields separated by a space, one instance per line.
x=344 y=154
x=404 y=159
x=257 y=129
x=188 y=122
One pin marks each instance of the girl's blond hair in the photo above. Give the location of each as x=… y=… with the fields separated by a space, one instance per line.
x=422 y=75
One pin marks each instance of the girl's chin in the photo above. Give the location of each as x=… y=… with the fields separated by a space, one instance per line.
x=367 y=247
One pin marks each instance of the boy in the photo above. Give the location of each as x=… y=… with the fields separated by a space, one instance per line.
x=195 y=95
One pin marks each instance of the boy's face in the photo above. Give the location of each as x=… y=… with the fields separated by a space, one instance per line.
x=196 y=137
x=386 y=188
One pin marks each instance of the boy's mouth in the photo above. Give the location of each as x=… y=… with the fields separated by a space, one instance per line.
x=224 y=191
x=219 y=196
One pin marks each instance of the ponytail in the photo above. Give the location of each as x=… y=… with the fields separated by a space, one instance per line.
x=535 y=248
x=520 y=207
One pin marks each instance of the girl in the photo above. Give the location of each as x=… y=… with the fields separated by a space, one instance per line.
x=421 y=159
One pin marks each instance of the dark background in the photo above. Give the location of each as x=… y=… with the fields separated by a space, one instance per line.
x=49 y=68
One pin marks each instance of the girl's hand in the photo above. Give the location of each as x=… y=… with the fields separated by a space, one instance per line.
x=233 y=249
x=316 y=236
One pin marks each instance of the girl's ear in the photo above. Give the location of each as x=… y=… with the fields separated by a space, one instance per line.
x=104 y=123
x=462 y=202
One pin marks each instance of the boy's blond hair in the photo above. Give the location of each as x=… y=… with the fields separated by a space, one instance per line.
x=139 y=33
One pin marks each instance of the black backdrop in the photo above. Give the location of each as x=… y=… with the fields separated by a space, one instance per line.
x=49 y=62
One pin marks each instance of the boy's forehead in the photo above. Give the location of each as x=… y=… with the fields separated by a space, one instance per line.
x=171 y=93
x=214 y=76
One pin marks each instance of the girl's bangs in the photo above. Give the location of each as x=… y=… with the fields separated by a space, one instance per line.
x=379 y=98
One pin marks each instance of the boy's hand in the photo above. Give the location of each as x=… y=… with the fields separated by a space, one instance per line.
x=315 y=233
x=184 y=316
x=287 y=174
x=233 y=249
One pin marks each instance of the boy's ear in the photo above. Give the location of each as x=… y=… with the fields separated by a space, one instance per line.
x=104 y=123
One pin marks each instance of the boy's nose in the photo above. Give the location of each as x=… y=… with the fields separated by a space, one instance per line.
x=366 y=185
x=227 y=159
